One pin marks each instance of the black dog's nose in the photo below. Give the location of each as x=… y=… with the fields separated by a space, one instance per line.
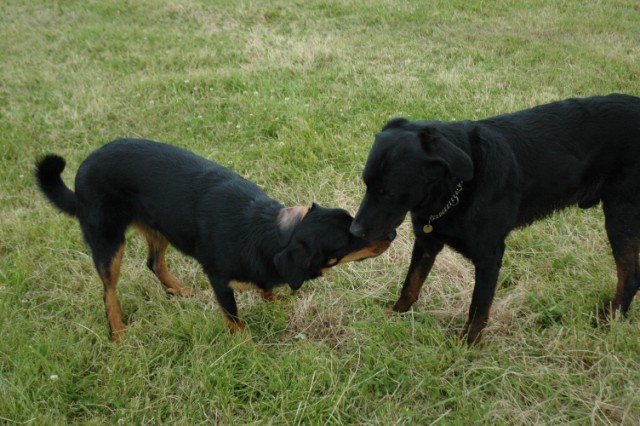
x=357 y=230
x=392 y=235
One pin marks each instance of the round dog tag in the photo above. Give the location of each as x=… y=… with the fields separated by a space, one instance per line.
x=427 y=229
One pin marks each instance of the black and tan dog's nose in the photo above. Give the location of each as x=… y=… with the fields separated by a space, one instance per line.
x=357 y=230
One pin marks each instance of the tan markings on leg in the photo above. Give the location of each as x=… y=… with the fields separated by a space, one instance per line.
x=113 y=310
x=268 y=296
x=411 y=293
x=374 y=249
x=157 y=262
x=626 y=267
x=233 y=326
x=473 y=329
x=171 y=283
x=617 y=299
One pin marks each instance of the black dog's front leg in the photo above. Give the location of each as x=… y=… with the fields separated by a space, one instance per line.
x=227 y=301
x=425 y=250
x=487 y=271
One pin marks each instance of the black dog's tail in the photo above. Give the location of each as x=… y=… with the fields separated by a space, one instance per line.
x=48 y=172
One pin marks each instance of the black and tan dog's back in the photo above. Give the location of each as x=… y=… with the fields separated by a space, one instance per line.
x=467 y=184
x=238 y=234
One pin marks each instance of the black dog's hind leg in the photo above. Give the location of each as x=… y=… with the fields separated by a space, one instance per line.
x=622 y=222
x=227 y=301
x=487 y=271
x=425 y=250
x=157 y=263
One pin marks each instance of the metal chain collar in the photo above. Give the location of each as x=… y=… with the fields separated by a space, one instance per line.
x=453 y=201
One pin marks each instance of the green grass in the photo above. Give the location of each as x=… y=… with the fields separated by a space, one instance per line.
x=289 y=94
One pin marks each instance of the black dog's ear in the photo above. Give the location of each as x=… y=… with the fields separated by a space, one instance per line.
x=395 y=123
x=292 y=263
x=444 y=152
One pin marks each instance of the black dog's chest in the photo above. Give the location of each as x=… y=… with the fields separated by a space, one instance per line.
x=445 y=231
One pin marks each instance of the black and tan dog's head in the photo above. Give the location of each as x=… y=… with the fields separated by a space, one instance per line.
x=410 y=164
x=318 y=239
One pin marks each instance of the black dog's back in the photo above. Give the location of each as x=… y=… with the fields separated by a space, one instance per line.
x=579 y=160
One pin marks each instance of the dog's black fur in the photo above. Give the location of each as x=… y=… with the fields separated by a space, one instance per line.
x=514 y=168
x=237 y=233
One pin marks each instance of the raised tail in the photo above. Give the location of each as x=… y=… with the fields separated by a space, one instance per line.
x=48 y=171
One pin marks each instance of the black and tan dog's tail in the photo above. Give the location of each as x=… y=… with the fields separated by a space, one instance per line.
x=48 y=171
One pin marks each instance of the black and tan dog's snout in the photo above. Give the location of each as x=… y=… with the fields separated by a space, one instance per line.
x=373 y=249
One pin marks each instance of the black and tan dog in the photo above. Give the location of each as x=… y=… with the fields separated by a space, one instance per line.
x=239 y=235
x=468 y=184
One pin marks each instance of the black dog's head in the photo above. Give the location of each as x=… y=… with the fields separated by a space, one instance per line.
x=320 y=239
x=410 y=164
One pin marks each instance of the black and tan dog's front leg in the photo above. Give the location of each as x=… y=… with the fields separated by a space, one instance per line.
x=227 y=302
x=425 y=251
x=487 y=271
x=269 y=296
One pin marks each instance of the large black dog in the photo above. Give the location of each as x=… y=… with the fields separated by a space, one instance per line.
x=467 y=184
x=240 y=236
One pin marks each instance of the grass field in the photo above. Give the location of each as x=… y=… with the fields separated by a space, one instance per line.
x=289 y=94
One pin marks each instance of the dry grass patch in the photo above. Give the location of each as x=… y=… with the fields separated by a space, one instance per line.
x=327 y=323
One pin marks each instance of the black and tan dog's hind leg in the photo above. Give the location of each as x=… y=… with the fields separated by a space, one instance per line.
x=156 y=262
x=107 y=255
x=109 y=272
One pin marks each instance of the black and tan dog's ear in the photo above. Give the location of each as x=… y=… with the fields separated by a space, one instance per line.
x=442 y=151
x=288 y=218
x=292 y=264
